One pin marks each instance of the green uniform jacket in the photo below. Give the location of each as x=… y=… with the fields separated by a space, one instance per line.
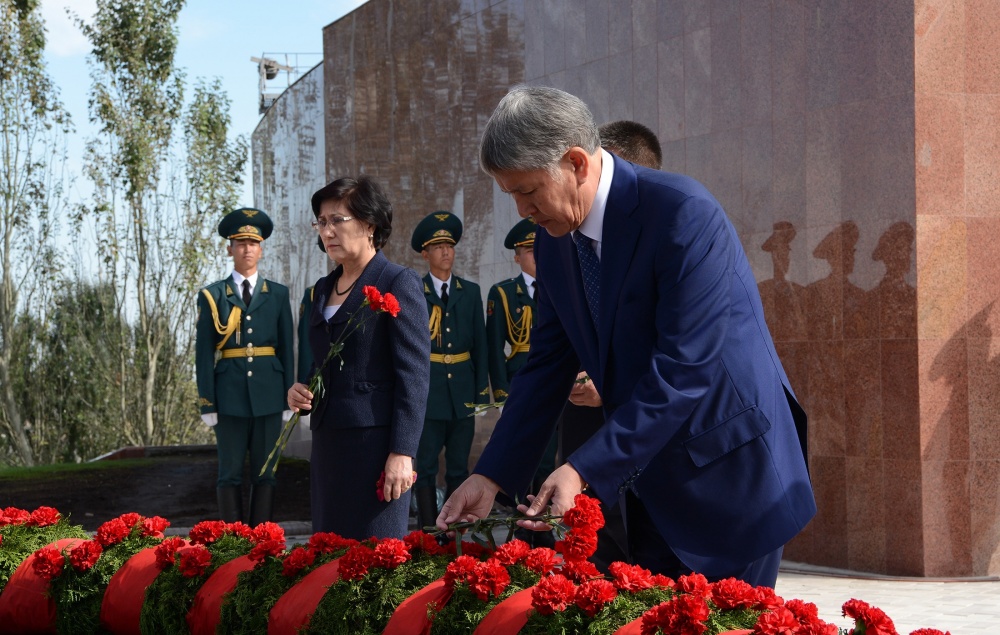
x=506 y=307
x=304 y=373
x=461 y=330
x=250 y=385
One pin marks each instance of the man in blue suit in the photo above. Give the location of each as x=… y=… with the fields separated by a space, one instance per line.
x=642 y=282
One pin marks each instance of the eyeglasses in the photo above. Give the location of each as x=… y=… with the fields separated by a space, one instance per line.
x=334 y=221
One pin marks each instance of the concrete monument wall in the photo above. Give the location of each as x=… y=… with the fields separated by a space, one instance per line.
x=288 y=155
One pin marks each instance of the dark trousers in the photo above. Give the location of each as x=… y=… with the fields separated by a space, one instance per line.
x=648 y=549
x=576 y=425
x=235 y=436
x=455 y=436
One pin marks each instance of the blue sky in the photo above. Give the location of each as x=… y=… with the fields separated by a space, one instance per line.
x=217 y=38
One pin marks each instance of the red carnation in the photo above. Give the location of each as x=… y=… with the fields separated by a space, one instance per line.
x=15 y=516
x=43 y=517
x=580 y=571
x=131 y=519
x=629 y=577
x=194 y=560
x=733 y=594
x=694 y=584
x=767 y=599
x=390 y=304
x=268 y=531
x=804 y=612
x=780 y=621
x=591 y=596
x=459 y=570
x=929 y=631
x=661 y=581
x=329 y=542
x=296 y=561
x=578 y=544
x=552 y=593
x=512 y=552
x=266 y=548
x=165 y=551
x=875 y=621
x=585 y=514
x=112 y=532
x=541 y=560
x=355 y=563
x=85 y=555
x=390 y=553
x=374 y=297
x=423 y=542
x=154 y=527
x=682 y=615
x=489 y=578
x=48 y=563
x=239 y=529
x=207 y=531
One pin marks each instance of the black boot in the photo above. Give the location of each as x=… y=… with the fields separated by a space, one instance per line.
x=427 y=510
x=261 y=502
x=230 y=503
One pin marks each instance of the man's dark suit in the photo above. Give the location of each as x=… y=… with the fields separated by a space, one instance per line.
x=701 y=421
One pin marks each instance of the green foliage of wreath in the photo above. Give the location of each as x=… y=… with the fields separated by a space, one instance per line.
x=246 y=609
x=78 y=595
x=464 y=608
x=20 y=541
x=169 y=597
x=363 y=607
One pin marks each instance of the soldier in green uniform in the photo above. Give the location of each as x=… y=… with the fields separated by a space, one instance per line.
x=510 y=314
x=245 y=365
x=459 y=362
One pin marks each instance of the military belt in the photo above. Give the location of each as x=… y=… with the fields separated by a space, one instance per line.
x=249 y=351
x=519 y=348
x=450 y=358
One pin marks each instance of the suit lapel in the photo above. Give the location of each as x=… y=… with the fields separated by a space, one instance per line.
x=431 y=293
x=233 y=294
x=618 y=242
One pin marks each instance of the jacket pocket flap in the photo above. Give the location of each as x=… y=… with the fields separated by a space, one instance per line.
x=738 y=430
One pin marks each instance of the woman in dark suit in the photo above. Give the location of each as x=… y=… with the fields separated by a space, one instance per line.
x=369 y=420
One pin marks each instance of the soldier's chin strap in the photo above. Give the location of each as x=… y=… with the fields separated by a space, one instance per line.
x=227 y=329
x=519 y=331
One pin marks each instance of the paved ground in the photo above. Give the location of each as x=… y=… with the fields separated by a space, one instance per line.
x=961 y=607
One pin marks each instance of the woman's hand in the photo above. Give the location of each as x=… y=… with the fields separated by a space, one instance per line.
x=398 y=476
x=299 y=398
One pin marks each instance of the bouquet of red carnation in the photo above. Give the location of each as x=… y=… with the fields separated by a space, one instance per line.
x=186 y=566
x=22 y=533
x=80 y=574
x=378 y=303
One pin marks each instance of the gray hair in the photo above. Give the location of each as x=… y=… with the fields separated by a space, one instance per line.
x=533 y=127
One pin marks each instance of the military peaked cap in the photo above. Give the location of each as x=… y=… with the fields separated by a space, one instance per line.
x=439 y=227
x=246 y=222
x=521 y=235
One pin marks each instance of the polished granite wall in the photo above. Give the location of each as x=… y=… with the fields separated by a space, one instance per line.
x=855 y=147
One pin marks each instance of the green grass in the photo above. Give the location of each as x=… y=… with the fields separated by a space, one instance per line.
x=66 y=469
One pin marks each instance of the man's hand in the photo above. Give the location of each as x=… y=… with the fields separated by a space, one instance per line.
x=584 y=393
x=398 y=476
x=472 y=501
x=558 y=490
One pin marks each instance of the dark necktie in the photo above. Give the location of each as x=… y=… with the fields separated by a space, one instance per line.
x=534 y=289
x=444 y=294
x=246 y=293
x=590 y=268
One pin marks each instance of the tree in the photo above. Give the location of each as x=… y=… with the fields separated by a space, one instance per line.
x=154 y=218
x=33 y=124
